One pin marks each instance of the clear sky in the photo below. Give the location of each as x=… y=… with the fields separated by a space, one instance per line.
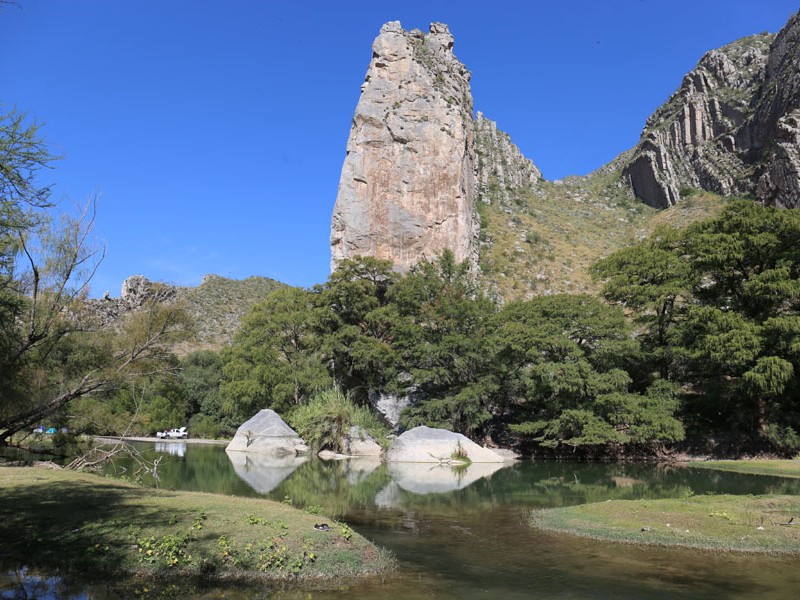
x=214 y=131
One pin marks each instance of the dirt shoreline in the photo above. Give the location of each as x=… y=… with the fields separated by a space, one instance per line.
x=112 y=439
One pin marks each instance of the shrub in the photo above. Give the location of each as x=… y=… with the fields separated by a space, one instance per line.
x=327 y=417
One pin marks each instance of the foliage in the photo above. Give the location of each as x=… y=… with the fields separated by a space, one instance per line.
x=327 y=417
x=441 y=340
x=718 y=302
x=354 y=322
x=273 y=361
x=52 y=350
x=565 y=360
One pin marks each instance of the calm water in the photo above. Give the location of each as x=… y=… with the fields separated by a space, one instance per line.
x=465 y=534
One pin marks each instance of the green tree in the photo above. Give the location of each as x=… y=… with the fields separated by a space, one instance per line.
x=274 y=360
x=355 y=322
x=441 y=341
x=564 y=362
x=731 y=285
x=52 y=350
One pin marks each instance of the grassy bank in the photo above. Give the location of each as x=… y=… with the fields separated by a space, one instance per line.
x=66 y=522
x=729 y=523
x=779 y=468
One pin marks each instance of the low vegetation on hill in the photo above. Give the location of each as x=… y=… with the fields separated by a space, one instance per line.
x=544 y=240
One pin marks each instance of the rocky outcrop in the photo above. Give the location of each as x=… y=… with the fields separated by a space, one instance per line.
x=390 y=405
x=266 y=433
x=216 y=306
x=137 y=291
x=428 y=445
x=358 y=442
x=500 y=167
x=731 y=128
x=691 y=141
x=407 y=188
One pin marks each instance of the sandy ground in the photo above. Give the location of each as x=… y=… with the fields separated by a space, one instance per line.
x=155 y=439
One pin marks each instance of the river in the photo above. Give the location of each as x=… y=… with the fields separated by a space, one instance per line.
x=463 y=534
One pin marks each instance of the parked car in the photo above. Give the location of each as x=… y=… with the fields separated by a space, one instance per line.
x=176 y=434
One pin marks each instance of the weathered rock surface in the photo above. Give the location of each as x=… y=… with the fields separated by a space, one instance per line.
x=428 y=445
x=407 y=188
x=358 y=442
x=266 y=433
x=391 y=406
x=691 y=141
x=731 y=128
x=500 y=167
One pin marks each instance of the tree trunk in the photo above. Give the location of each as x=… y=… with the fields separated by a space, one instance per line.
x=763 y=424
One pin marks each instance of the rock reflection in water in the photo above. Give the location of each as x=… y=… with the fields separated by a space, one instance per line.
x=422 y=478
x=264 y=473
x=171 y=448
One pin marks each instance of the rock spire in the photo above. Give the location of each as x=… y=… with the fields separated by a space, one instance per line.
x=407 y=188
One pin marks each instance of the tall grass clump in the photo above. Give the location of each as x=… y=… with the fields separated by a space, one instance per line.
x=327 y=417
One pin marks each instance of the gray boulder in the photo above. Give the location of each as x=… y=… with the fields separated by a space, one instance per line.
x=429 y=445
x=360 y=443
x=267 y=433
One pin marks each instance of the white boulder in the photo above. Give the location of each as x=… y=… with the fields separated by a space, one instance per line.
x=267 y=433
x=428 y=445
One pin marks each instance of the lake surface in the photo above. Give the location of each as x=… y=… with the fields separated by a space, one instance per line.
x=464 y=534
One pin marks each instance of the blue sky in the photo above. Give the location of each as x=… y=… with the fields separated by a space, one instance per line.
x=214 y=132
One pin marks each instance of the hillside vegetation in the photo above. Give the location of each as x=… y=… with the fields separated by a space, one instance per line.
x=544 y=239
x=217 y=305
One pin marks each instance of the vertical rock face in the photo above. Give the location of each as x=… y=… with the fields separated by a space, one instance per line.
x=407 y=189
x=731 y=128
x=774 y=129
x=500 y=166
x=690 y=142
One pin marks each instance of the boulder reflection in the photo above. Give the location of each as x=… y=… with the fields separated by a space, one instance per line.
x=339 y=485
x=422 y=478
x=261 y=472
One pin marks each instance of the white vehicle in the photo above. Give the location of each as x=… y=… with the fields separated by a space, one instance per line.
x=173 y=434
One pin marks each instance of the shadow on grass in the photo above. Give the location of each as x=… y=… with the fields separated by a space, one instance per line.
x=72 y=526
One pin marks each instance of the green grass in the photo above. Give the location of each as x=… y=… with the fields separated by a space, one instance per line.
x=61 y=521
x=727 y=523
x=780 y=468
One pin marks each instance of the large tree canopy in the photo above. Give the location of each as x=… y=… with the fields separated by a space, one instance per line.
x=719 y=304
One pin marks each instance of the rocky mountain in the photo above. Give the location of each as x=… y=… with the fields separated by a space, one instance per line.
x=407 y=189
x=730 y=128
x=421 y=176
x=216 y=306
x=500 y=167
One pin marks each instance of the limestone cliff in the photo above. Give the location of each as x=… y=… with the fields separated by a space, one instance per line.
x=731 y=127
x=501 y=168
x=407 y=188
x=690 y=142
